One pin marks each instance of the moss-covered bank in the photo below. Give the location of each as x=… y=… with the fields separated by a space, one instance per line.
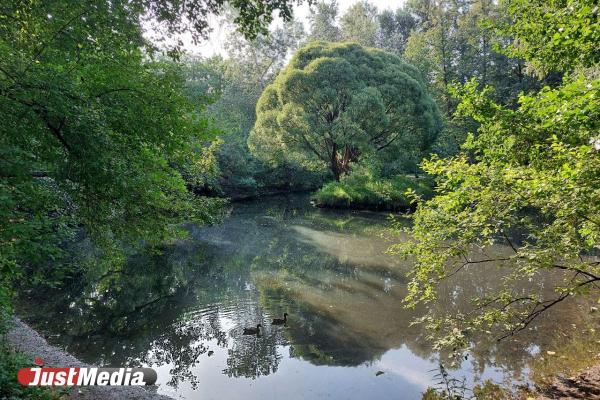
x=392 y=194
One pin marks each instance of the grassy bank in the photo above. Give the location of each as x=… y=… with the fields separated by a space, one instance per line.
x=373 y=194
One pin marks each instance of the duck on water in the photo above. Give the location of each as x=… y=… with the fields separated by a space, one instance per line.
x=280 y=321
x=252 y=331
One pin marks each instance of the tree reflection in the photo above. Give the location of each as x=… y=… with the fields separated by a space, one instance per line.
x=349 y=309
x=253 y=356
x=328 y=271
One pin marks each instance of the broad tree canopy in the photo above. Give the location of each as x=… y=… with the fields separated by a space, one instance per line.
x=336 y=103
x=94 y=124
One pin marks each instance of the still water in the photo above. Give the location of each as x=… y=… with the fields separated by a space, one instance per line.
x=182 y=311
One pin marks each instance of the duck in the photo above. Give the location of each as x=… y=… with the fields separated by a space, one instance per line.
x=280 y=321
x=252 y=331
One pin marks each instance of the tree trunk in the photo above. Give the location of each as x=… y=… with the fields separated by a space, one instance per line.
x=340 y=163
x=335 y=167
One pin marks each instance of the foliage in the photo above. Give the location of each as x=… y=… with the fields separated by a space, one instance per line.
x=175 y=17
x=322 y=22
x=83 y=138
x=335 y=104
x=449 y=388
x=388 y=30
x=5 y=298
x=360 y=24
x=368 y=192
x=236 y=84
x=431 y=394
x=453 y=42
x=526 y=179
x=556 y=34
x=448 y=42
x=10 y=389
x=395 y=27
x=99 y=132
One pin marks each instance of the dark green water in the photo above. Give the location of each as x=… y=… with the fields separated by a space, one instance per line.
x=182 y=310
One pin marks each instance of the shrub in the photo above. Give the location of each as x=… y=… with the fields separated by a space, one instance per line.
x=10 y=364
x=365 y=192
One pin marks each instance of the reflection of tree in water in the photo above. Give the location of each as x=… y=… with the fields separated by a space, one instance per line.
x=113 y=318
x=145 y=293
x=342 y=293
x=323 y=341
x=253 y=356
x=340 y=308
x=183 y=344
x=348 y=313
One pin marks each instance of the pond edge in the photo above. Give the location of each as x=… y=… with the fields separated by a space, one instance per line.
x=26 y=340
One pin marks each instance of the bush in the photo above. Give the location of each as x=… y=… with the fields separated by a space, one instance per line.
x=10 y=364
x=5 y=306
x=364 y=192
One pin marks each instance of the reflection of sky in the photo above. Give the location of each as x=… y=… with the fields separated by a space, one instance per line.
x=297 y=379
x=347 y=248
x=360 y=317
x=344 y=296
x=404 y=373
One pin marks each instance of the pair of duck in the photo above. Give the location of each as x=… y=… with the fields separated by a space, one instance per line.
x=276 y=321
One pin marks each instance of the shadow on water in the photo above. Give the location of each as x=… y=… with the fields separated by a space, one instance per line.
x=182 y=310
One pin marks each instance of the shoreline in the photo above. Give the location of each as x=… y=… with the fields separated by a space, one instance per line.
x=584 y=385
x=28 y=341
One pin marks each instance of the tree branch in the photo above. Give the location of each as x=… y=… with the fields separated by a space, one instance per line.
x=543 y=306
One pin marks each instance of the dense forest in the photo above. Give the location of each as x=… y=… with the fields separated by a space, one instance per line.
x=444 y=44
x=478 y=120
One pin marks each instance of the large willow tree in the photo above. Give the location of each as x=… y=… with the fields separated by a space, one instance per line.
x=336 y=103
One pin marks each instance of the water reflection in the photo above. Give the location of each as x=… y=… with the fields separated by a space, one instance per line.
x=183 y=309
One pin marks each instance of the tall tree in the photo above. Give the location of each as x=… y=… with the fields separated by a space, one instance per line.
x=454 y=43
x=337 y=103
x=434 y=48
x=527 y=178
x=322 y=21
x=360 y=24
x=94 y=124
x=395 y=28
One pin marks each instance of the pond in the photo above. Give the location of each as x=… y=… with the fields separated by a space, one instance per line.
x=182 y=311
